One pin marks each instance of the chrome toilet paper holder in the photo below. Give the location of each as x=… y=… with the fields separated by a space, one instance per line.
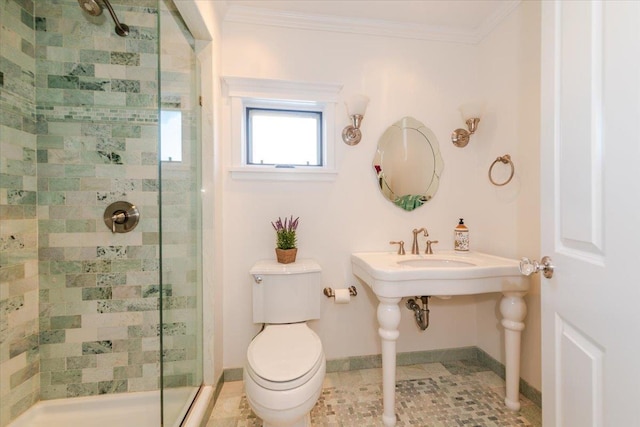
x=329 y=293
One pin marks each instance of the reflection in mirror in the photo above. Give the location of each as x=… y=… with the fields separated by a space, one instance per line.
x=171 y=135
x=408 y=164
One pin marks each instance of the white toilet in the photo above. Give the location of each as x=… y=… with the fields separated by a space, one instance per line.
x=285 y=365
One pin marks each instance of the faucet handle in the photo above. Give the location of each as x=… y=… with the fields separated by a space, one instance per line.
x=429 y=251
x=400 y=246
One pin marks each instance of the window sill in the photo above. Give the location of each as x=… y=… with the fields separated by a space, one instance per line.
x=270 y=173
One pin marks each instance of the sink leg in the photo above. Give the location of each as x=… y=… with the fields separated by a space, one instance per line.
x=389 y=319
x=513 y=310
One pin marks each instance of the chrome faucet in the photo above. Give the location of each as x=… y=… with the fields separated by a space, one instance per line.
x=400 y=246
x=414 y=247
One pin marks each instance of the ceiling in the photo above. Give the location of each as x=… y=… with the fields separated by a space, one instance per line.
x=457 y=20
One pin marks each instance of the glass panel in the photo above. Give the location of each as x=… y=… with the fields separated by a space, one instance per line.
x=171 y=135
x=180 y=227
x=284 y=137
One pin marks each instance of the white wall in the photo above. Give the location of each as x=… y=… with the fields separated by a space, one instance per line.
x=513 y=49
x=426 y=80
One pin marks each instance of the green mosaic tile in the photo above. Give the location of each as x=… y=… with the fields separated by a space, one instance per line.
x=81 y=281
x=142 y=304
x=115 y=386
x=81 y=389
x=127 y=345
x=52 y=337
x=124 y=58
x=64 y=184
x=62 y=82
x=96 y=347
x=51 y=226
x=143 y=331
x=43 y=156
x=20 y=167
x=153 y=291
x=95 y=56
x=126 y=265
x=27 y=19
x=48 y=96
x=66 y=377
x=110 y=99
x=125 y=372
x=28 y=48
x=10 y=181
x=57 y=266
x=66 y=322
x=94 y=83
x=111 y=144
x=78 y=97
x=21 y=197
x=24 y=374
x=111 y=279
x=80 y=69
x=141 y=100
x=126 y=131
x=82 y=362
x=48 y=39
x=52 y=364
x=96 y=293
x=132 y=86
x=40 y=23
x=23 y=345
x=177 y=328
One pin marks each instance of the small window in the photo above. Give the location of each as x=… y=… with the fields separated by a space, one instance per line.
x=282 y=130
x=170 y=135
x=284 y=138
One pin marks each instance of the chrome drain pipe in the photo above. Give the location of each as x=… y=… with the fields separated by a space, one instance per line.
x=421 y=313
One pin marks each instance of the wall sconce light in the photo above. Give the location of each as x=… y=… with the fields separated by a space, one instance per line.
x=356 y=107
x=471 y=114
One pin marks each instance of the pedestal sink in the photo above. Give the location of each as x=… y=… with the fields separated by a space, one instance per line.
x=447 y=273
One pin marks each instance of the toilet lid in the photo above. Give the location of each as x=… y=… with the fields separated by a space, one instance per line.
x=283 y=353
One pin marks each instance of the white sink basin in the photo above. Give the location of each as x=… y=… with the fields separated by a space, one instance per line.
x=435 y=262
x=444 y=273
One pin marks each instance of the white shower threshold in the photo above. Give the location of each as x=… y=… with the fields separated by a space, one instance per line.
x=139 y=409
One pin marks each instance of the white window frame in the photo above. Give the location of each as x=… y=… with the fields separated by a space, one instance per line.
x=248 y=92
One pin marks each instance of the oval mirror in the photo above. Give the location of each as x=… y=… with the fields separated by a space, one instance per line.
x=408 y=164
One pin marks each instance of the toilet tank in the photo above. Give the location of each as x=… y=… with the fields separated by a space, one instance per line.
x=286 y=293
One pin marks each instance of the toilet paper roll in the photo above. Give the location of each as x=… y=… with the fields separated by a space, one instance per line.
x=342 y=296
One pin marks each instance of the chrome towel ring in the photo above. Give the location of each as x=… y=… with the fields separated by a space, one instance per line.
x=503 y=159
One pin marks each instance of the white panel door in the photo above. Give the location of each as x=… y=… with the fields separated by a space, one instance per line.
x=590 y=198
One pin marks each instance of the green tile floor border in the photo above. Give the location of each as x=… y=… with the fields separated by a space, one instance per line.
x=413 y=358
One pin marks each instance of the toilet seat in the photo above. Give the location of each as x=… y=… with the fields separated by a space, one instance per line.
x=283 y=357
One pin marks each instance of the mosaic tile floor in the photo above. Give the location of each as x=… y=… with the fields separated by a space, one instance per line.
x=461 y=393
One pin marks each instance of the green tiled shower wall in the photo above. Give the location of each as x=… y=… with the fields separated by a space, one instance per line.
x=79 y=306
x=19 y=352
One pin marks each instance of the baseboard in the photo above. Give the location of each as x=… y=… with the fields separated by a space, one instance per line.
x=413 y=358
x=526 y=389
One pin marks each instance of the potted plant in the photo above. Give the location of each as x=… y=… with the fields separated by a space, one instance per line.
x=286 y=250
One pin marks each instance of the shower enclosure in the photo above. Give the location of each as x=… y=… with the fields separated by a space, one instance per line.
x=91 y=321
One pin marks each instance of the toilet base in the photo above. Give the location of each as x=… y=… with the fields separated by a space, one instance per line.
x=286 y=408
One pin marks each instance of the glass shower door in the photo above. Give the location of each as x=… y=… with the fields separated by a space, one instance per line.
x=180 y=218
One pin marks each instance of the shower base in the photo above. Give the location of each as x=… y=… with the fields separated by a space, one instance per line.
x=140 y=409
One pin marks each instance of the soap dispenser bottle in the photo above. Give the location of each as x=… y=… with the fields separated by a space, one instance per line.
x=461 y=233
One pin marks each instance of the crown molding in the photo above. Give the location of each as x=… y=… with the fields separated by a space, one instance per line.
x=374 y=27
